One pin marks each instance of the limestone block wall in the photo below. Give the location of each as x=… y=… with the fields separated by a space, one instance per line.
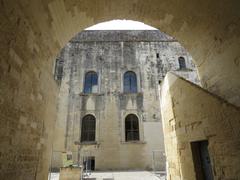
x=150 y=54
x=36 y=31
x=28 y=96
x=192 y=114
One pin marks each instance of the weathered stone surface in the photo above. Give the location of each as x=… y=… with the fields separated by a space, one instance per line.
x=37 y=30
x=70 y=173
x=110 y=54
x=192 y=114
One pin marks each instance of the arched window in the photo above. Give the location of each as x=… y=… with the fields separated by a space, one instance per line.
x=182 y=63
x=91 y=82
x=88 y=128
x=131 y=128
x=130 y=82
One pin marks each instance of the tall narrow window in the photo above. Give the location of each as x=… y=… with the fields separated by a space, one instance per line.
x=91 y=82
x=182 y=63
x=58 y=69
x=88 y=128
x=131 y=128
x=130 y=82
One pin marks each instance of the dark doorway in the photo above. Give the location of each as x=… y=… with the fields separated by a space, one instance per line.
x=201 y=160
x=89 y=163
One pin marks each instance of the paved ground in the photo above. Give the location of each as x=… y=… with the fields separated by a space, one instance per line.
x=53 y=176
x=129 y=175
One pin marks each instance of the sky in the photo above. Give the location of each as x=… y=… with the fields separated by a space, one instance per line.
x=121 y=25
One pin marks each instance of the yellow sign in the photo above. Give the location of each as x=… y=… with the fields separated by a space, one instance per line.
x=67 y=159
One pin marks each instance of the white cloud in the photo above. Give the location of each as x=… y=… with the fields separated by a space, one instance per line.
x=121 y=25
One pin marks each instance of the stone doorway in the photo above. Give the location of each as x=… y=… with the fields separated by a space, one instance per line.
x=201 y=160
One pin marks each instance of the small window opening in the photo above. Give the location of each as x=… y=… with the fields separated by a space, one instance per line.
x=157 y=55
x=69 y=157
x=58 y=74
x=182 y=63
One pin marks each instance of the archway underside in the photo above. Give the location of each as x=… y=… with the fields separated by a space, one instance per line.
x=32 y=33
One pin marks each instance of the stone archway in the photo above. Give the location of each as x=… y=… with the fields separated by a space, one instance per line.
x=32 y=33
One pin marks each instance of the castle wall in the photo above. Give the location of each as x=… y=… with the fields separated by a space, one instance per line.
x=109 y=104
x=193 y=115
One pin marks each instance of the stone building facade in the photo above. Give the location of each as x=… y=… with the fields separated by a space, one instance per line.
x=109 y=97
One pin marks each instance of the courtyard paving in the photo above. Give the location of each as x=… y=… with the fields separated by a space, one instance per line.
x=126 y=175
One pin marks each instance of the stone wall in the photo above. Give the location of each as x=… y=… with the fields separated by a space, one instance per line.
x=28 y=95
x=110 y=54
x=37 y=30
x=191 y=114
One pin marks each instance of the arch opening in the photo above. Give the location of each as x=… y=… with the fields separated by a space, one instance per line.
x=126 y=66
x=32 y=35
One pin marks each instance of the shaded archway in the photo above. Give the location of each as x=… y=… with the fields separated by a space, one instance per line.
x=209 y=30
x=32 y=33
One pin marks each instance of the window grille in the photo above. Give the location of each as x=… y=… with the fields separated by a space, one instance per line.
x=88 y=128
x=131 y=128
